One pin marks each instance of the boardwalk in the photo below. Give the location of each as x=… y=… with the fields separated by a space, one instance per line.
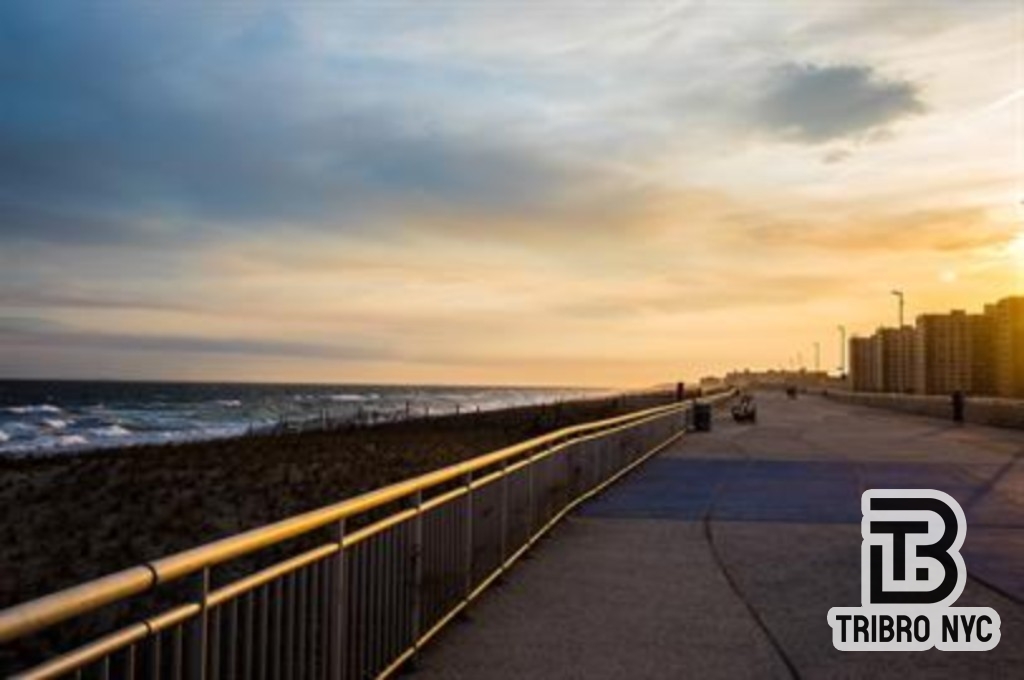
x=721 y=557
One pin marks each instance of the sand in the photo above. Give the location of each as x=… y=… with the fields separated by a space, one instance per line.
x=70 y=518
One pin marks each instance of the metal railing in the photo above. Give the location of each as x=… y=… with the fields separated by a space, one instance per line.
x=379 y=574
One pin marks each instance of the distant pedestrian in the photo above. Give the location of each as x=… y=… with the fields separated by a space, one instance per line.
x=958 y=406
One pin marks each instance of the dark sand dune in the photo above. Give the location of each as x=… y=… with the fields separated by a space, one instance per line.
x=71 y=518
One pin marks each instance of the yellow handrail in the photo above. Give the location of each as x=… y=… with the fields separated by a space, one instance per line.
x=35 y=615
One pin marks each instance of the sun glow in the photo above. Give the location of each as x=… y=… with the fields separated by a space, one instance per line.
x=1016 y=249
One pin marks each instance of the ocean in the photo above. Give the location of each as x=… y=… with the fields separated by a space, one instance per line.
x=50 y=417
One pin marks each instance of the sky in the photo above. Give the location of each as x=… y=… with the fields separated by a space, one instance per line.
x=533 y=192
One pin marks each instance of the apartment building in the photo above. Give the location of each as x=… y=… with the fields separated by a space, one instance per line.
x=974 y=353
x=946 y=349
x=1008 y=346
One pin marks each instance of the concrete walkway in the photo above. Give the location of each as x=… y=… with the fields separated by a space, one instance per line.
x=721 y=557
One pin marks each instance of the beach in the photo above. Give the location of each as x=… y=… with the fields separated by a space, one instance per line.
x=73 y=517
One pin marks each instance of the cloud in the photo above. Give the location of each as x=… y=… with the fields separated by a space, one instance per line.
x=708 y=291
x=162 y=126
x=932 y=230
x=41 y=333
x=60 y=296
x=463 y=184
x=814 y=104
x=27 y=325
x=834 y=156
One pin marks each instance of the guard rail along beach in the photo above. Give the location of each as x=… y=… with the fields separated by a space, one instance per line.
x=372 y=579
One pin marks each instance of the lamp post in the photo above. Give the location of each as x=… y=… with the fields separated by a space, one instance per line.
x=842 y=349
x=817 y=357
x=899 y=295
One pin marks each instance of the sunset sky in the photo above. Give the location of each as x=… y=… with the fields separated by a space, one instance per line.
x=614 y=193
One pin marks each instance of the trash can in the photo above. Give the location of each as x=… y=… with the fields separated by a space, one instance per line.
x=702 y=417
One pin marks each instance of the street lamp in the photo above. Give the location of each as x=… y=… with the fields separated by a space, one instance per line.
x=817 y=356
x=899 y=294
x=842 y=349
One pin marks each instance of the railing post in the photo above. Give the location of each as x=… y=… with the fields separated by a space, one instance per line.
x=417 y=570
x=467 y=480
x=336 y=654
x=197 y=643
x=503 y=521
x=530 y=498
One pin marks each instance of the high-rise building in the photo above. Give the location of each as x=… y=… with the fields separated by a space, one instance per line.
x=1007 y=318
x=983 y=354
x=894 y=368
x=906 y=359
x=883 y=362
x=945 y=352
x=863 y=360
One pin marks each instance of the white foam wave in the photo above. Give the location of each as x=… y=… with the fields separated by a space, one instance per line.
x=352 y=397
x=55 y=423
x=71 y=440
x=229 y=403
x=111 y=431
x=34 y=408
x=4 y=437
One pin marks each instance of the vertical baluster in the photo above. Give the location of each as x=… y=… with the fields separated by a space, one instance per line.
x=417 y=569
x=456 y=534
x=231 y=640
x=276 y=629
x=263 y=648
x=377 y=579
x=129 y=663
x=530 y=495
x=214 y=637
x=198 y=644
x=178 y=653
x=289 y=626
x=337 y=648
x=352 y=614
x=421 y=596
x=361 y=591
x=313 y=620
x=398 y=629
x=369 y=588
x=503 y=517
x=386 y=604
x=389 y=594
x=247 y=635
x=373 y=600
x=326 y=619
x=467 y=558
x=155 y=643
x=402 y=587
x=301 y=628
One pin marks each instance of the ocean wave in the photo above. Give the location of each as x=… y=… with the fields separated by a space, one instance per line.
x=353 y=397
x=33 y=408
x=111 y=431
x=21 y=429
x=119 y=420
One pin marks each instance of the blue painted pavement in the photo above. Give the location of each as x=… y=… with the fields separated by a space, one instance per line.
x=822 y=492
